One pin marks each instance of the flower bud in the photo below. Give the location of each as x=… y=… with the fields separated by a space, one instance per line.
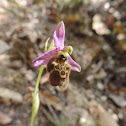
x=36 y=103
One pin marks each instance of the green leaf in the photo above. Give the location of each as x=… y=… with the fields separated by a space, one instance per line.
x=52 y=45
x=108 y=32
x=124 y=44
x=124 y=29
x=46 y=44
x=114 y=31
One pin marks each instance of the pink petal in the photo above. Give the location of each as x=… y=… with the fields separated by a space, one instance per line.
x=59 y=36
x=74 y=65
x=44 y=58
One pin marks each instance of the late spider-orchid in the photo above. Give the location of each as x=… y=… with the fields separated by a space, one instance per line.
x=58 y=60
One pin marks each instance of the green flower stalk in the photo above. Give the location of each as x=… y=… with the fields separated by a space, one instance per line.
x=35 y=95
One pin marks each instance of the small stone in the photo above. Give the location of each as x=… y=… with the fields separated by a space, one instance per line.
x=118 y=100
x=100 y=86
x=3 y=46
x=101 y=74
x=110 y=111
x=120 y=116
x=90 y=78
x=5 y=119
x=103 y=98
x=82 y=121
x=115 y=116
x=86 y=119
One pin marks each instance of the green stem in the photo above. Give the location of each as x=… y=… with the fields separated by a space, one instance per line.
x=32 y=121
x=38 y=79
x=36 y=91
x=41 y=70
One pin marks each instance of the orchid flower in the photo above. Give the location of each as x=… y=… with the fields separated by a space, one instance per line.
x=59 y=37
x=59 y=63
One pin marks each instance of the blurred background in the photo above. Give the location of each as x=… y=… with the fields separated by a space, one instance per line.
x=97 y=31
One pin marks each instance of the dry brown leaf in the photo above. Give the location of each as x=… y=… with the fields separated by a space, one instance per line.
x=71 y=19
x=27 y=96
x=30 y=89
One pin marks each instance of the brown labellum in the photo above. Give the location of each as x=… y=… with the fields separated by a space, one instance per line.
x=59 y=71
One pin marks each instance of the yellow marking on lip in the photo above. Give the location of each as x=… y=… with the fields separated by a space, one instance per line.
x=61 y=88
x=62 y=76
x=68 y=66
